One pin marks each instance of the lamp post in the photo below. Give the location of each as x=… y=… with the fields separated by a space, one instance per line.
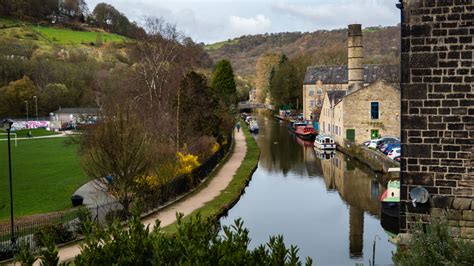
x=36 y=107
x=7 y=124
x=26 y=102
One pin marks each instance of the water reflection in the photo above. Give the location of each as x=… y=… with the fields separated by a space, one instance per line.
x=326 y=203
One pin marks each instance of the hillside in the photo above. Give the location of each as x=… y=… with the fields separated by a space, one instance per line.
x=48 y=35
x=381 y=45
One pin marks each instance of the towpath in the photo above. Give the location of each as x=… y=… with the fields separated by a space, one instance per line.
x=189 y=204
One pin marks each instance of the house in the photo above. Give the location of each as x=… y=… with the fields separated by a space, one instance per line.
x=75 y=116
x=361 y=113
x=320 y=79
x=253 y=96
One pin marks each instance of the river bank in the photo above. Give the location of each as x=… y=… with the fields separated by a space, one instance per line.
x=228 y=197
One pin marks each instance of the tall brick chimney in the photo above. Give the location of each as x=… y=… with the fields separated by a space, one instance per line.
x=355 y=55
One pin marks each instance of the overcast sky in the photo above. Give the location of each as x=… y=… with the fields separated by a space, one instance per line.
x=210 y=21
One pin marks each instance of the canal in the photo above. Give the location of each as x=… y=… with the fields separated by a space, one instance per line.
x=329 y=208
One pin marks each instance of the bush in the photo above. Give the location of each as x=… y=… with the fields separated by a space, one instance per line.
x=433 y=245
x=6 y=252
x=58 y=232
x=196 y=242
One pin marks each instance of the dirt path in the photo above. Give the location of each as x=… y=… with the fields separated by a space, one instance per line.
x=168 y=215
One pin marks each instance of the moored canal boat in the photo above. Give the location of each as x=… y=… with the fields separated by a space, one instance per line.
x=253 y=127
x=391 y=199
x=305 y=132
x=323 y=142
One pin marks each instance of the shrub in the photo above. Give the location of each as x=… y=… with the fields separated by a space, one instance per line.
x=196 y=242
x=433 y=245
x=187 y=162
x=58 y=232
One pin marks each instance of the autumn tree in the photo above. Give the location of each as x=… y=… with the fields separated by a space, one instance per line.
x=14 y=95
x=223 y=82
x=264 y=66
x=118 y=146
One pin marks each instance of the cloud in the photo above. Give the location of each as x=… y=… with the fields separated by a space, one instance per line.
x=252 y=25
x=341 y=12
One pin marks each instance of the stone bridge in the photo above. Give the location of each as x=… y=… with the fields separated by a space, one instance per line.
x=249 y=105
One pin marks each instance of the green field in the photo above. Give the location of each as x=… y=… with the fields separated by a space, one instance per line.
x=6 y=23
x=218 y=45
x=67 y=36
x=37 y=132
x=10 y=28
x=46 y=172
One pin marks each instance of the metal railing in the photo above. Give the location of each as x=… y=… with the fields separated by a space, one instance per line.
x=66 y=226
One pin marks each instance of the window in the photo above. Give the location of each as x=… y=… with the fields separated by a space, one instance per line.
x=329 y=127
x=374 y=110
x=311 y=93
x=324 y=126
x=311 y=103
x=337 y=130
x=350 y=134
x=374 y=133
x=320 y=91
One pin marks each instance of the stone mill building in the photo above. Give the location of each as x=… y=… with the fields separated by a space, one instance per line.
x=356 y=102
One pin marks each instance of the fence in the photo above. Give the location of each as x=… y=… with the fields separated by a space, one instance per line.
x=184 y=183
x=66 y=226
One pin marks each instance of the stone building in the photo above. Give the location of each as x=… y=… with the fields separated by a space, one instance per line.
x=319 y=79
x=438 y=111
x=361 y=113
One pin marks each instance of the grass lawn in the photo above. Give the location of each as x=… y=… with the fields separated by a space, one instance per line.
x=67 y=36
x=219 y=45
x=6 y=23
x=45 y=174
x=36 y=132
x=221 y=203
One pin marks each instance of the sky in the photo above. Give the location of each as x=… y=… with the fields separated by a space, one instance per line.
x=211 y=21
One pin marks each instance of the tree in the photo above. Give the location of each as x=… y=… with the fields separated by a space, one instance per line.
x=264 y=65
x=196 y=108
x=14 y=95
x=223 y=83
x=118 y=146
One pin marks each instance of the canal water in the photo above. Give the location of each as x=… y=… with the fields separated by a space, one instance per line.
x=328 y=207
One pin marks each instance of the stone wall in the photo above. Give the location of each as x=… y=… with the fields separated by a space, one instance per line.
x=377 y=161
x=437 y=126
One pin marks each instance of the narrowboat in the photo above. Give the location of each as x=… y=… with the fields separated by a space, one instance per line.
x=305 y=132
x=323 y=142
x=391 y=199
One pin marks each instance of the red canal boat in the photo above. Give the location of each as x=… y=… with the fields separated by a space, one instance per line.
x=305 y=132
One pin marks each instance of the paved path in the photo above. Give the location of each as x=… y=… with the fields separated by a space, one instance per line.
x=168 y=215
x=60 y=135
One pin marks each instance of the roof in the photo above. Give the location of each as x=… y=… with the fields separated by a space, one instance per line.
x=336 y=96
x=339 y=74
x=77 y=111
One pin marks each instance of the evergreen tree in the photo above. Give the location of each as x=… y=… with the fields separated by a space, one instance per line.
x=223 y=83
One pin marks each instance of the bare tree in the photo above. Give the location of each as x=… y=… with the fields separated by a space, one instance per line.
x=157 y=57
x=118 y=146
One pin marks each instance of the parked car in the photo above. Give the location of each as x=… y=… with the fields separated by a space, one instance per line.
x=397 y=158
x=390 y=146
x=385 y=140
x=366 y=143
x=394 y=153
x=373 y=143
